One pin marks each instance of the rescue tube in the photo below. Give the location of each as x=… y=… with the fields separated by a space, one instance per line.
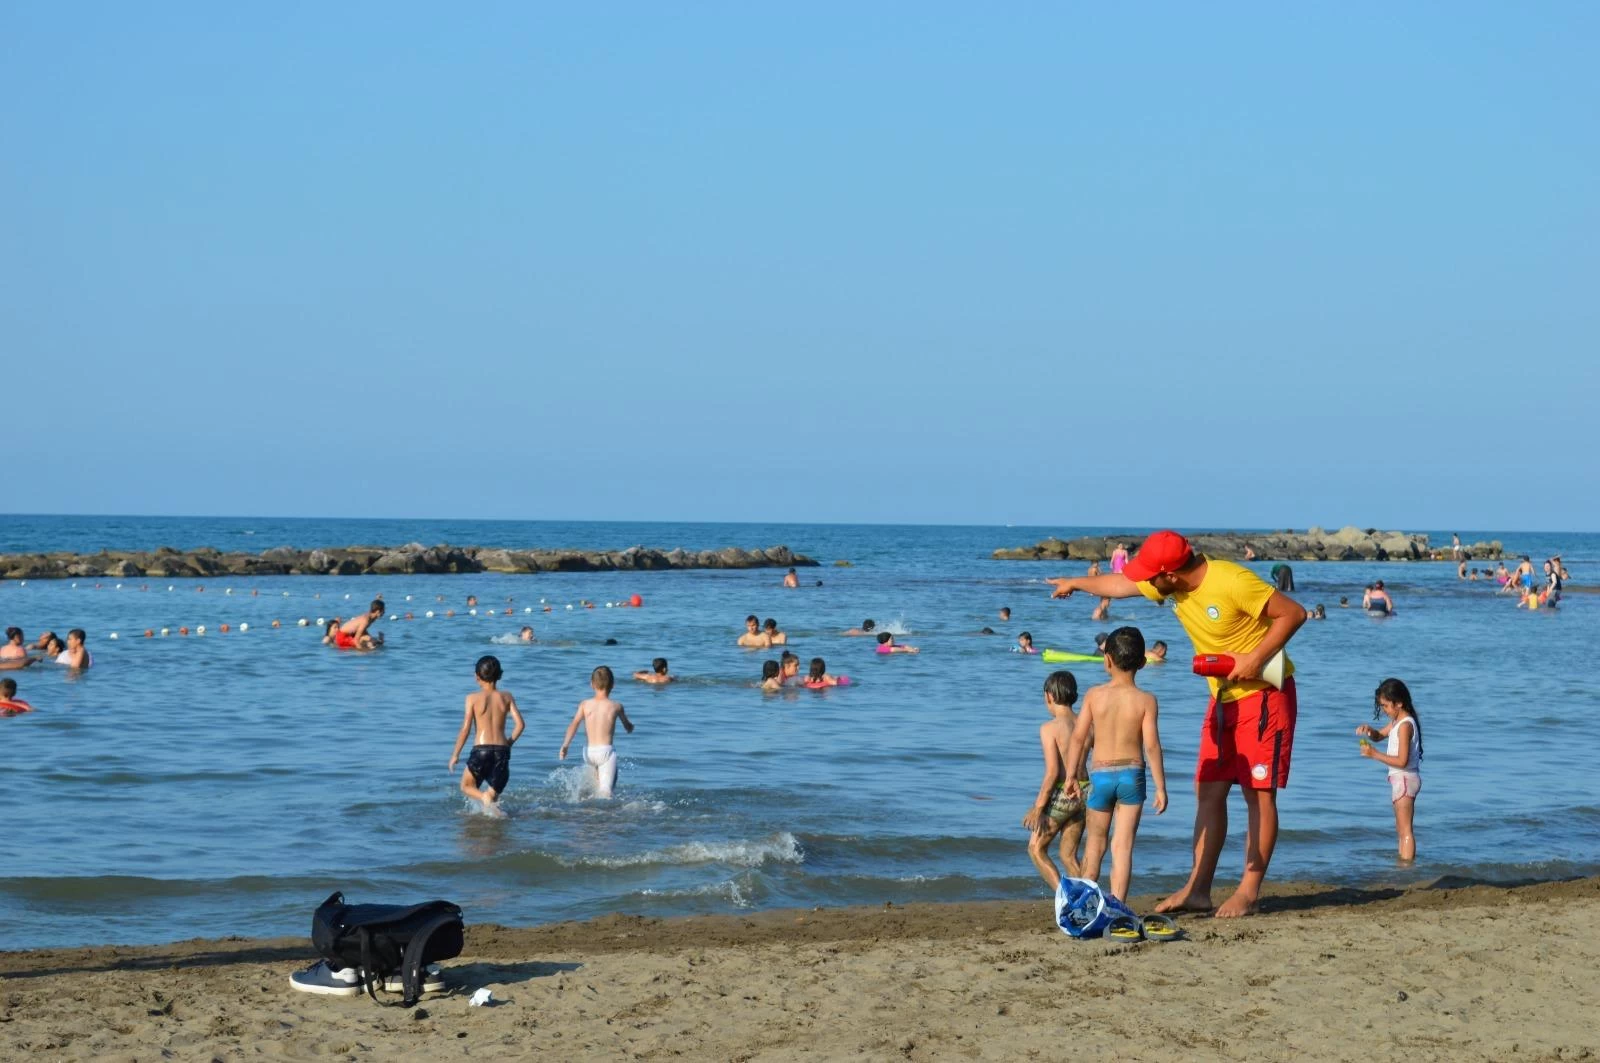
x=1064 y=656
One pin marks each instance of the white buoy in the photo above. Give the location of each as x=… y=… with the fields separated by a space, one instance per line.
x=201 y=630
x=169 y=586
x=608 y=605
x=113 y=635
x=228 y=591
x=347 y=597
x=74 y=586
x=302 y=621
x=569 y=605
x=286 y=594
x=320 y=622
x=541 y=601
x=243 y=628
x=394 y=616
x=429 y=614
x=473 y=611
x=408 y=597
x=119 y=586
x=165 y=632
x=527 y=609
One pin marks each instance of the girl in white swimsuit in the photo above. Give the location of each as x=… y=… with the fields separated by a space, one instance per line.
x=1402 y=755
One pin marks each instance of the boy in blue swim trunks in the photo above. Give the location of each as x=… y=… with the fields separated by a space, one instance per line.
x=1122 y=719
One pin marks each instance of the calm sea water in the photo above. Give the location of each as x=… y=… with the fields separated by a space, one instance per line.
x=225 y=784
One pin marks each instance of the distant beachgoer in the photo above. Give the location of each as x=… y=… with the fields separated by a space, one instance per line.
x=609 y=642
x=1121 y=720
x=886 y=644
x=1283 y=577
x=788 y=668
x=1455 y=546
x=10 y=704
x=1005 y=612
x=14 y=654
x=771 y=676
x=599 y=716
x=472 y=600
x=1249 y=552
x=1100 y=641
x=1119 y=557
x=1472 y=576
x=1529 y=600
x=489 y=764
x=774 y=636
x=1344 y=602
x=1157 y=654
x=53 y=648
x=1103 y=609
x=1024 y=644
x=75 y=656
x=1248 y=735
x=354 y=634
x=791 y=579
x=986 y=631
x=657 y=674
x=526 y=634
x=817 y=676
x=44 y=641
x=1376 y=600
x=1319 y=613
x=1501 y=576
x=1093 y=569
x=753 y=637
x=1403 y=756
x=1524 y=573
x=1461 y=570
x=865 y=628
x=1058 y=810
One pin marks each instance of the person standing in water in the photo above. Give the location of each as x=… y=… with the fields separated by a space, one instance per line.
x=599 y=716
x=1248 y=734
x=489 y=764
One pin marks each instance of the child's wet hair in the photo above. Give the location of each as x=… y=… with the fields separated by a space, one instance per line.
x=377 y=606
x=868 y=625
x=77 y=633
x=769 y=670
x=659 y=666
x=1061 y=687
x=602 y=679
x=489 y=669
x=333 y=627
x=787 y=655
x=1125 y=647
x=8 y=688
x=1396 y=691
x=769 y=624
x=987 y=631
x=753 y=619
x=1025 y=635
x=819 y=668
x=883 y=637
x=1158 y=645
x=13 y=633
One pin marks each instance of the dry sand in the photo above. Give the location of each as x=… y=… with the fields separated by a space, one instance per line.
x=1474 y=973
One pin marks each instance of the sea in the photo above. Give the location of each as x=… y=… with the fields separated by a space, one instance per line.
x=225 y=783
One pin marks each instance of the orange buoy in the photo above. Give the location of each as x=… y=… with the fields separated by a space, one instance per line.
x=149 y=634
x=508 y=612
x=183 y=631
x=223 y=628
x=409 y=616
x=636 y=601
x=276 y=624
x=449 y=612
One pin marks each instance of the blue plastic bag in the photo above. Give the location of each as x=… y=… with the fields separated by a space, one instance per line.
x=1084 y=910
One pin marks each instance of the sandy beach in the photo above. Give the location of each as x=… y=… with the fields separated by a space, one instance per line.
x=1324 y=973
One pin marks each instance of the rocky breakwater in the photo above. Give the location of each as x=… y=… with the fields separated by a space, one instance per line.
x=1346 y=544
x=380 y=561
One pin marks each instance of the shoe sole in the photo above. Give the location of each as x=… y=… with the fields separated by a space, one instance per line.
x=432 y=981
x=326 y=990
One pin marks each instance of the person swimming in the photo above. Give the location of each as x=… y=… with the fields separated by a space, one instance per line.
x=866 y=628
x=771 y=680
x=1376 y=600
x=657 y=674
x=817 y=677
x=1024 y=644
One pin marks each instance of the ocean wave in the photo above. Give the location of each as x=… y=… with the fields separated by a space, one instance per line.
x=780 y=848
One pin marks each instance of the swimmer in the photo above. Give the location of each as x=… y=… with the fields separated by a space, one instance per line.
x=1024 y=644
x=54 y=648
x=526 y=634
x=599 y=716
x=1005 y=612
x=657 y=674
x=1100 y=642
x=354 y=634
x=865 y=629
x=791 y=579
x=75 y=656
x=14 y=654
x=10 y=704
x=489 y=764
x=753 y=637
x=817 y=676
x=43 y=645
x=330 y=637
x=472 y=600
x=1157 y=654
x=1376 y=600
x=1103 y=609
x=886 y=644
x=788 y=668
x=771 y=679
x=774 y=636
x=986 y=631
x=1319 y=613
x=1344 y=603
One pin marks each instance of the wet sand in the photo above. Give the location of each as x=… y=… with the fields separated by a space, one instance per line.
x=1434 y=973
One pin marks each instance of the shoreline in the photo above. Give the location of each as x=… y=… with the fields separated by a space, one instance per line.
x=1439 y=972
x=1347 y=544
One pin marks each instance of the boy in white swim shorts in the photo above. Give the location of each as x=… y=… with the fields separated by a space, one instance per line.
x=599 y=716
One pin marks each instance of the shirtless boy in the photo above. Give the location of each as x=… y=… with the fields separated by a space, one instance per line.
x=774 y=636
x=1122 y=719
x=657 y=674
x=865 y=629
x=1059 y=807
x=353 y=634
x=599 y=716
x=754 y=638
x=10 y=704
x=489 y=764
x=791 y=578
x=14 y=654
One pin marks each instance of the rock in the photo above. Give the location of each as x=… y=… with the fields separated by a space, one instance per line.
x=1347 y=544
x=125 y=569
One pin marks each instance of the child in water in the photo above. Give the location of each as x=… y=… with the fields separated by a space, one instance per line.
x=599 y=716
x=817 y=677
x=886 y=644
x=771 y=676
x=1024 y=644
x=658 y=673
x=1059 y=807
x=774 y=636
x=1157 y=654
x=1122 y=720
x=10 y=704
x=489 y=765
x=1403 y=756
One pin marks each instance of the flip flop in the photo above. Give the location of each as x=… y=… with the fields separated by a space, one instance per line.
x=1124 y=930
x=1161 y=928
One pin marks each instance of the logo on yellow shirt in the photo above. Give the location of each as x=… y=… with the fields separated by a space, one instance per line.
x=1213 y=612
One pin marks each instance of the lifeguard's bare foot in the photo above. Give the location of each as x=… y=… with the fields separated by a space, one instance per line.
x=1186 y=900
x=1238 y=906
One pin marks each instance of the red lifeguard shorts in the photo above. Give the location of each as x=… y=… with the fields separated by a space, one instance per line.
x=1249 y=741
x=343 y=641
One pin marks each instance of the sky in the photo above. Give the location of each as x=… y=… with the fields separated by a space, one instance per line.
x=1238 y=265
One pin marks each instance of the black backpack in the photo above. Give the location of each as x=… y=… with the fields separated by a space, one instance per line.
x=380 y=939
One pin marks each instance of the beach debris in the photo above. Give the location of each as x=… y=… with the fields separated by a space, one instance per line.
x=1401 y=996
x=481 y=998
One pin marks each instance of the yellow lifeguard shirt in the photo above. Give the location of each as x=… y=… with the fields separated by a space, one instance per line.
x=1225 y=614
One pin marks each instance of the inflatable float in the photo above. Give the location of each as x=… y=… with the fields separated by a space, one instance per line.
x=1066 y=656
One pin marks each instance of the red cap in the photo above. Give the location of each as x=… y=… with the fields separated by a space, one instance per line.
x=1163 y=551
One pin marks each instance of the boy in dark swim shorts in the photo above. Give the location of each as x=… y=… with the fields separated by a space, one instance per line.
x=489 y=764
x=1059 y=806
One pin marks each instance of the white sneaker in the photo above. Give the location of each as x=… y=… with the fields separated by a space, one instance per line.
x=432 y=980
x=321 y=978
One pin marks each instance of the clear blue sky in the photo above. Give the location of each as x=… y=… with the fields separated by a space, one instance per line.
x=1199 y=265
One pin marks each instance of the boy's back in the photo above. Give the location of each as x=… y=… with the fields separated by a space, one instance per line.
x=489 y=710
x=600 y=719
x=1117 y=712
